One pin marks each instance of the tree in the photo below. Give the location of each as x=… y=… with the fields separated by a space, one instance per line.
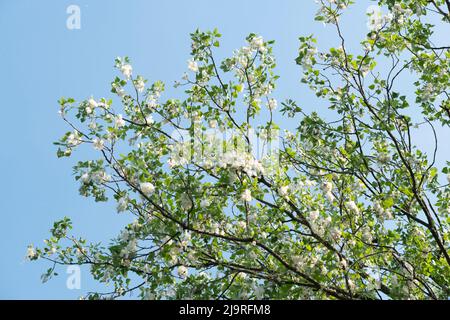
x=345 y=209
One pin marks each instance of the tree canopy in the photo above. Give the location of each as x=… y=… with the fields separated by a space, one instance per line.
x=229 y=204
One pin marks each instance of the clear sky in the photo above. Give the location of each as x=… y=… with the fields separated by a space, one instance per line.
x=42 y=60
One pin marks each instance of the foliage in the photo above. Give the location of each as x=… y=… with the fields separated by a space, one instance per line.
x=343 y=209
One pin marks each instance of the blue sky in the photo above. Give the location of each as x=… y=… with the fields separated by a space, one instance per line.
x=42 y=60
